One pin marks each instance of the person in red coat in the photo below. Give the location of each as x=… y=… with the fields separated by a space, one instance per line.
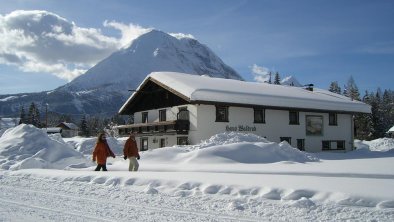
x=130 y=152
x=101 y=152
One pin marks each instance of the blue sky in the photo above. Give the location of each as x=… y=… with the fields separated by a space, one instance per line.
x=317 y=41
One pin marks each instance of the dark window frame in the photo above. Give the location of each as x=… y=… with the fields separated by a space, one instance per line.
x=259 y=112
x=162 y=115
x=332 y=119
x=301 y=144
x=285 y=138
x=328 y=145
x=142 y=147
x=162 y=142
x=221 y=117
x=144 y=117
x=183 y=113
x=182 y=138
x=294 y=120
x=343 y=146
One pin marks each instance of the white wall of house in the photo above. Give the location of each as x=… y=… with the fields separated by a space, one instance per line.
x=203 y=125
x=276 y=125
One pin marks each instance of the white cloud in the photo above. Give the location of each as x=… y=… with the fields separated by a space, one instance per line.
x=41 y=41
x=129 y=32
x=261 y=74
x=181 y=35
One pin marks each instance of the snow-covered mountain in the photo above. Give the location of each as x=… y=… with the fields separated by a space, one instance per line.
x=290 y=81
x=104 y=87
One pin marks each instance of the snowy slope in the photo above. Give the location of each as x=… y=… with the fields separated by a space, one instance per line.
x=290 y=81
x=152 y=51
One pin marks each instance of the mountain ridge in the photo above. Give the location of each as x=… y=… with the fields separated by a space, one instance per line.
x=104 y=87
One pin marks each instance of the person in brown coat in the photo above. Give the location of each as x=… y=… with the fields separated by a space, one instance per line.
x=101 y=152
x=130 y=152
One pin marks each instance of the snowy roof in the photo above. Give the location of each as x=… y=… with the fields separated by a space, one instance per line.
x=391 y=130
x=53 y=130
x=200 y=89
x=69 y=125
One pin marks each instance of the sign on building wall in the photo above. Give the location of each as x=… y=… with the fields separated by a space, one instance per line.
x=241 y=128
x=314 y=125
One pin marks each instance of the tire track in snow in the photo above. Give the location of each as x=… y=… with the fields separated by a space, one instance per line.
x=76 y=214
x=121 y=206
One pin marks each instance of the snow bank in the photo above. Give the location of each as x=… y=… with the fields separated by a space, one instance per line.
x=229 y=148
x=25 y=147
x=382 y=144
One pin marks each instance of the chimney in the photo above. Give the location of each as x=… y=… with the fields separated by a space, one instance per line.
x=309 y=87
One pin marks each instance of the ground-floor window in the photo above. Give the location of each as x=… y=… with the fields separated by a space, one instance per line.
x=162 y=142
x=301 y=144
x=287 y=139
x=144 y=144
x=333 y=144
x=182 y=140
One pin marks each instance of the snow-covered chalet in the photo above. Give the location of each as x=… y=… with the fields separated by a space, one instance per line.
x=176 y=109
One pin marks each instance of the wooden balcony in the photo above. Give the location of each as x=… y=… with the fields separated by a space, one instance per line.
x=165 y=127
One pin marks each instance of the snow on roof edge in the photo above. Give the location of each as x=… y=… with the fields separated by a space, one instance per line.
x=198 y=88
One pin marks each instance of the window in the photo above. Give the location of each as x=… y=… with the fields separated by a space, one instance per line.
x=162 y=115
x=294 y=118
x=144 y=116
x=162 y=142
x=182 y=140
x=287 y=139
x=221 y=114
x=183 y=113
x=326 y=145
x=144 y=144
x=332 y=119
x=259 y=115
x=340 y=145
x=301 y=144
x=333 y=145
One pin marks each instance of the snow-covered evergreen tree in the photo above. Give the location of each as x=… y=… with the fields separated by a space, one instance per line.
x=335 y=88
x=351 y=89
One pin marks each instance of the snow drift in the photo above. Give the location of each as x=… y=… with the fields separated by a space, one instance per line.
x=231 y=148
x=25 y=147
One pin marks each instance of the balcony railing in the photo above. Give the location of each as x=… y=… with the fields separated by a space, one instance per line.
x=179 y=126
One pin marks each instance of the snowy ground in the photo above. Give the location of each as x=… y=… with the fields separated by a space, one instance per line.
x=231 y=177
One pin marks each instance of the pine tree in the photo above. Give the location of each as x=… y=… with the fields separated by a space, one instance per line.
x=351 y=89
x=387 y=110
x=377 y=115
x=270 y=81
x=84 y=127
x=277 y=79
x=33 y=117
x=335 y=88
x=23 y=118
x=363 y=122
